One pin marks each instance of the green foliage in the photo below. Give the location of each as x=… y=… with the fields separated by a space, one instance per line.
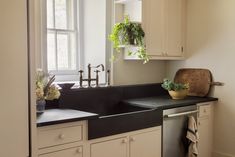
x=129 y=33
x=171 y=86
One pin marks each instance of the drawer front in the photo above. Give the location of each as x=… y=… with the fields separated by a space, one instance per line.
x=204 y=110
x=71 y=152
x=57 y=136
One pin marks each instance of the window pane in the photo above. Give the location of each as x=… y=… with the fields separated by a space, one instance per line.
x=60 y=14
x=62 y=51
x=51 y=51
x=73 y=51
x=71 y=14
x=50 y=14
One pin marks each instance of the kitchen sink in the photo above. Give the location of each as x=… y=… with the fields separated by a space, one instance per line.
x=121 y=109
x=122 y=118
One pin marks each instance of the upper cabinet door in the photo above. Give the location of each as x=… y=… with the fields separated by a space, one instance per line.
x=175 y=22
x=153 y=24
x=164 y=25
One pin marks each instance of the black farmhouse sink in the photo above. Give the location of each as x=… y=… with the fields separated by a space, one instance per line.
x=115 y=115
x=123 y=118
x=119 y=109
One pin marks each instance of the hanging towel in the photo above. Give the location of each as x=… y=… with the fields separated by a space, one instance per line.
x=192 y=136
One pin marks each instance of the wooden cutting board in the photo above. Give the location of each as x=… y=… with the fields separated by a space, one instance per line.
x=199 y=80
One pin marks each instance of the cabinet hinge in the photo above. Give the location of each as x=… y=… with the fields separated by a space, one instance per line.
x=182 y=49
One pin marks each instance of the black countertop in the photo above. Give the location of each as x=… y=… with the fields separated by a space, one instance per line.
x=57 y=116
x=165 y=101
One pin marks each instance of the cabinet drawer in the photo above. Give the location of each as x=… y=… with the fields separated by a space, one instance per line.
x=71 y=152
x=204 y=110
x=60 y=135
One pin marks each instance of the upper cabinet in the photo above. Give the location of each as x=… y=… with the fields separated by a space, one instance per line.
x=153 y=25
x=163 y=22
x=164 y=25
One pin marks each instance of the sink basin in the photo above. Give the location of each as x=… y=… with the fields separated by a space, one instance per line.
x=123 y=118
x=121 y=109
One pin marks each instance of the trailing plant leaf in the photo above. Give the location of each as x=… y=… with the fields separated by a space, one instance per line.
x=172 y=86
x=129 y=33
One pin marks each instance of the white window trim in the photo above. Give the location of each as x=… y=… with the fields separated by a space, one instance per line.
x=63 y=75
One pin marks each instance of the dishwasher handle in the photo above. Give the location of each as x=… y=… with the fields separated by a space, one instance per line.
x=180 y=114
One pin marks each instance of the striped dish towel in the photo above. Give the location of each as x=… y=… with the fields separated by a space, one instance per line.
x=192 y=136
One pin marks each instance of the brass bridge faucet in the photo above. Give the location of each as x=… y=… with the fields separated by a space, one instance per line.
x=89 y=79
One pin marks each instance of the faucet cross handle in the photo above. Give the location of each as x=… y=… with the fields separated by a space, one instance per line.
x=80 y=72
x=81 y=77
x=97 y=77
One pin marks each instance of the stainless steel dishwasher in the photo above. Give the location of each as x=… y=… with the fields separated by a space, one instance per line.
x=174 y=130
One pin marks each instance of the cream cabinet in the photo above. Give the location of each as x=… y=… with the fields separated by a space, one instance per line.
x=70 y=140
x=153 y=24
x=205 y=129
x=164 y=25
x=71 y=152
x=142 y=143
x=50 y=136
x=62 y=140
x=110 y=148
x=146 y=144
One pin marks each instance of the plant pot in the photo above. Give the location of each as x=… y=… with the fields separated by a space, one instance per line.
x=41 y=104
x=181 y=94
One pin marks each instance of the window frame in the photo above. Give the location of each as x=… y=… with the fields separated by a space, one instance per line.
x=63 y=75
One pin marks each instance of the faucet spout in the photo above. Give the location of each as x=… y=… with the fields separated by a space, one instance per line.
x=100 y=65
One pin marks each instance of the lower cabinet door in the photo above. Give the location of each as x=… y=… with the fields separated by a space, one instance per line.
x=146 y=144
x=71 y=152
x=112 y=148
x=205 y=142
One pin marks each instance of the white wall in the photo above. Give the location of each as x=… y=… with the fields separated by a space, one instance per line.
x=94 y=33
x=134 y=10
x=211 y=44
x=135 y=72
x=13 y=79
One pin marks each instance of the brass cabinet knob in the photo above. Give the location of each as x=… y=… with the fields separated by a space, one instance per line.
x=124 y=140
x=61 y=136
x=132 y=139
x=79 y=150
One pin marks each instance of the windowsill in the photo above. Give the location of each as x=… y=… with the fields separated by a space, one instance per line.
x=77 y=86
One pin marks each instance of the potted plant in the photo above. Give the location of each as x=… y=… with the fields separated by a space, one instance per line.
x=129 y=34
x=45 y=90
x=176 y=90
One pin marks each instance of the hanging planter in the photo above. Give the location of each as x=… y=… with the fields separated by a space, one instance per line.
x=129 y=33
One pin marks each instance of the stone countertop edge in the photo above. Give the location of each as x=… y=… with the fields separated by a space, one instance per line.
x=59 y=116
x=165 y=102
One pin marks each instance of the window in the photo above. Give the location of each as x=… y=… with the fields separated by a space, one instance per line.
x=68 y=39
x=62 y=37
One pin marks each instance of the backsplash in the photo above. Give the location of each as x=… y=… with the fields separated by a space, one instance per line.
x=90 y=98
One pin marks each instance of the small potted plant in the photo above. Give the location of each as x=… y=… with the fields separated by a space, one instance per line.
x=45 y=90
x=129 y=34
x=176 y=90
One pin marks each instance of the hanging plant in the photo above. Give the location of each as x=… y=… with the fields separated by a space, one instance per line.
x=129 y=33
